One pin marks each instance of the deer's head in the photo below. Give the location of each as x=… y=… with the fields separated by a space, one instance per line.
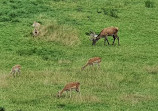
x=93 y=37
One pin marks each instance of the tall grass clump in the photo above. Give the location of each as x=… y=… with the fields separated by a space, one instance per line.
x=149 y=4
x=63 y=34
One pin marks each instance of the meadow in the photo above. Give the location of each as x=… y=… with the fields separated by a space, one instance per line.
x=127 y=79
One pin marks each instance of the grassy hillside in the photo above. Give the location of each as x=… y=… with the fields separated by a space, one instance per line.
x=128 y=76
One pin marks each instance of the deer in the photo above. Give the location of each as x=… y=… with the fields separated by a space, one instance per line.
x=91 y=62
x=70 y=87
x=110 y=31
x=36 y=29
x=15 y=69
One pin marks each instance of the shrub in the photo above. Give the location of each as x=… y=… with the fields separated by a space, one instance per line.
x=149 y=4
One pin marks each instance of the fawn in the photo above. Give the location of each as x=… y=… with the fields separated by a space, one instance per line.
x=92 y=61
x=15 y=69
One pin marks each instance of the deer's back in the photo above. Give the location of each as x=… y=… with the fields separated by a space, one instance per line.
x=109 y=31
x=72 y=85
x=94 y=60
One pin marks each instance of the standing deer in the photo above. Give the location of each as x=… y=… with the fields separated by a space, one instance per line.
x=70 y=87
x=92 y=61
x=15 y=69
x=110 y=31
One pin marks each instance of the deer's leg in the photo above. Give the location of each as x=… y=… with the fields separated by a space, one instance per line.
x=93 y=66
x=98 y=65
x=19 y=72
x=14 y=74
x=118 y=40
x=66 y=93
x=106 y=39
x=70 y=93
x=79 y=92
x=114 y=39
x=78 y=88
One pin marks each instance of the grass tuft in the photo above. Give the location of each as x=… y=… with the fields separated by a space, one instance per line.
x=149 y=4
x=110 y=12
x=63 y=34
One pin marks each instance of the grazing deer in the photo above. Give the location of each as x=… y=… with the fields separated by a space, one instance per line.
x=92 y=61
x=110 y=31
x=15 y=69
x=70 y=87
x=36 y=25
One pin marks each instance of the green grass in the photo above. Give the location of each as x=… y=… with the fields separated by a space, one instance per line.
x=128 y=76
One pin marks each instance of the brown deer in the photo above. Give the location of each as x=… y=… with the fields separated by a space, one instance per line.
x=92 y=61
x=110 y=31
x=15 y=69
x=70 y=87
